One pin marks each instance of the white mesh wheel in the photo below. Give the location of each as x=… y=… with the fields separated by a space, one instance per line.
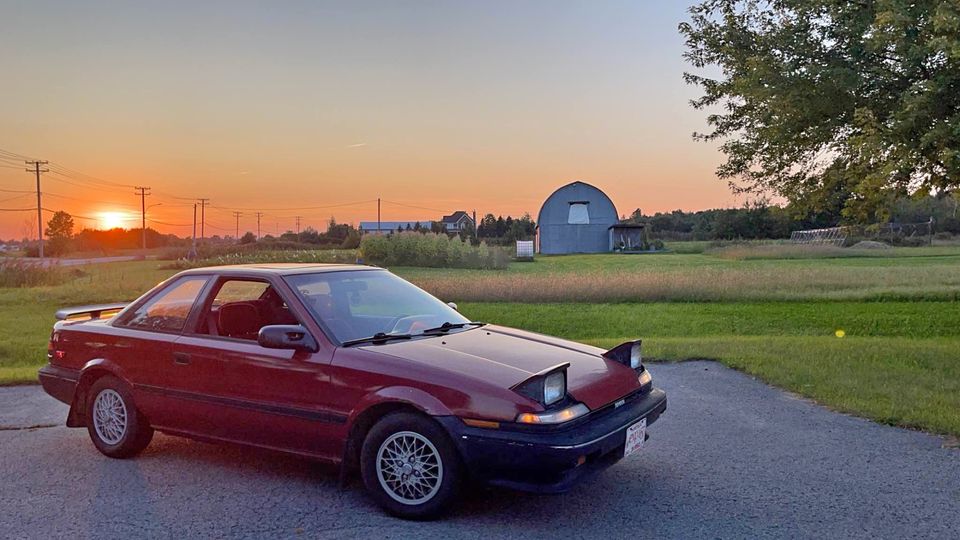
x=409 y=468
x=110 y=416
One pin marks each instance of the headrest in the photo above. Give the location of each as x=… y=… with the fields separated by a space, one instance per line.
x=237 y=318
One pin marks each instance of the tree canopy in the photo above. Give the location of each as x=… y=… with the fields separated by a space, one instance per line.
x=839 y=106
x=59 y=232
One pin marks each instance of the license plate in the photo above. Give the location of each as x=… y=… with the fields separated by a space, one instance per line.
x=636 y=434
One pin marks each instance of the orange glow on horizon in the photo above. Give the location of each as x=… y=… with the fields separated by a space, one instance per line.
x=113 y=220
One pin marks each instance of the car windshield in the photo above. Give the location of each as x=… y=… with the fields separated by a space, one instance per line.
x=360 y=304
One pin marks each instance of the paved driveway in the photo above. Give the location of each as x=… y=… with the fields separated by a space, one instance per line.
x=731 y=458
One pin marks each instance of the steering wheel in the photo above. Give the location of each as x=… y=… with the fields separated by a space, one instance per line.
x=411 y=321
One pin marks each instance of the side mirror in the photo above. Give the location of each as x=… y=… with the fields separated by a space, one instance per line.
x=286 y=336
x=453 y=305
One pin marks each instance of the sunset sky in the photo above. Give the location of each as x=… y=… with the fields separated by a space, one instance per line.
x=290 y=106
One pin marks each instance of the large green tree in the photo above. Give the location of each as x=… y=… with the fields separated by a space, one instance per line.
x=839 y=106
x=59 y=232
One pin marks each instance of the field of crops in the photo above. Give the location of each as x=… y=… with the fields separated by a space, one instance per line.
x=875 y=334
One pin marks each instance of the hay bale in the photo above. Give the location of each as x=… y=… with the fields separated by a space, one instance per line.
x=870 y=244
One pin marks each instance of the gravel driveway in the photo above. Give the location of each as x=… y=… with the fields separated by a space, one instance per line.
x=731 y=458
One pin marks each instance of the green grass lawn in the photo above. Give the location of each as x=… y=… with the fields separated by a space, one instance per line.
x=898 y=362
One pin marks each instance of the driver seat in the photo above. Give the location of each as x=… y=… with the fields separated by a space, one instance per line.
x=239 y=320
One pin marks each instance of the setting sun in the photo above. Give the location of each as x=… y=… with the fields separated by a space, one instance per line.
x=112 y=220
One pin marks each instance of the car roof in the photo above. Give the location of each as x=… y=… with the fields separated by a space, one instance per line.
x=283 y=269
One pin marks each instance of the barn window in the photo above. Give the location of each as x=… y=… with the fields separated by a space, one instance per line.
x=578 y=214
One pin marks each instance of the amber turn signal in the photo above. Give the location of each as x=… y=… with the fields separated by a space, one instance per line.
x=481 y=423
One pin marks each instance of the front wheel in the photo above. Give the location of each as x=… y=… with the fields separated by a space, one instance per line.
x=116 y=427
x=410 y=466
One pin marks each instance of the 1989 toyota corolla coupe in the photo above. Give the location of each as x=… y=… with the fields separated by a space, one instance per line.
x=355 y=366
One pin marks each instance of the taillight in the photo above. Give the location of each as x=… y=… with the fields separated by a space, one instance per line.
x=52 y=351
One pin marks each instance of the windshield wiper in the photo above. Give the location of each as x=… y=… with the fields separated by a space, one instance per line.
x=447 y=326
x=379 y=337
x=383 y=337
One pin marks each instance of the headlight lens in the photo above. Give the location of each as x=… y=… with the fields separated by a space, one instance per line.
x=554 y=417
x=644 y=378
x=554 y=387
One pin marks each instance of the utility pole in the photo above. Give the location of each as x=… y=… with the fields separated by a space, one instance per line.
x=378 y=215
x=237 y=215
x=36 y=169
x=193 y=244
x=298 y=228
x=259 y=215
x=203 y=219
x=143 y=192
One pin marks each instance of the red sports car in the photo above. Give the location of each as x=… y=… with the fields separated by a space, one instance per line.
x=354 y=366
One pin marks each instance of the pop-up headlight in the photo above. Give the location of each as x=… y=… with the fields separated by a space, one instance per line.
x=629 y=354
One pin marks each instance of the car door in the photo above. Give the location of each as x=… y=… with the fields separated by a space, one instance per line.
x=144 y=344
x=251 y=394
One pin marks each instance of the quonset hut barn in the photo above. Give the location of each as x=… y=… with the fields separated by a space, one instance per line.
x=576 y=219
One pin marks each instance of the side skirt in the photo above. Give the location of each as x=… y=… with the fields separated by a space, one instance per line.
x=234 y=442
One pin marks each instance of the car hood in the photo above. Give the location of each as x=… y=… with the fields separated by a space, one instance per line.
x=506 y=357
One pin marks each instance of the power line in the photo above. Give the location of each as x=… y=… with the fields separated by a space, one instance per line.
x=296 y=208
x=158 y=222
x=413 y=206
x=14 y=197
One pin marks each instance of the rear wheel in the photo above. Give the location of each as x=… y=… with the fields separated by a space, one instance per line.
x=410 y=466
x=116 y=427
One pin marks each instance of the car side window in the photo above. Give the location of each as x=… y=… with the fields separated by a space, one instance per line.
x=241 y=307
x=168 y=310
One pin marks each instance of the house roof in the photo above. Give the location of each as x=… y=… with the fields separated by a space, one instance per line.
x=455 y=217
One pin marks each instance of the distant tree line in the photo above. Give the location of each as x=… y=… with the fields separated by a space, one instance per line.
x=338 y=235
x=505 y=231
x=759 y=220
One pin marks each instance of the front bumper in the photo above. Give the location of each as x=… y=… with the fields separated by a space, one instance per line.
x=550 y=461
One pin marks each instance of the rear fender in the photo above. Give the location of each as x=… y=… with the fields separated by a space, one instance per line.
x=92 y=370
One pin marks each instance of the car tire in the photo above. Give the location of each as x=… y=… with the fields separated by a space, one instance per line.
x=116 y=426
x=410 y=466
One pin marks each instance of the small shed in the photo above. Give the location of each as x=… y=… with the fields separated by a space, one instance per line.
x=629 y=237
x=576 y=219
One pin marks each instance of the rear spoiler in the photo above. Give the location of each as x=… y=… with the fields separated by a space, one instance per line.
x=88 y=312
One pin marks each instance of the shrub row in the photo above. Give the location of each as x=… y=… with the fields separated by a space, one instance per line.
x=431 y=250
x=340 y=256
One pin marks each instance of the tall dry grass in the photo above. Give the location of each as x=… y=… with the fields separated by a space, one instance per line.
x=701 y=284
x=19 y=273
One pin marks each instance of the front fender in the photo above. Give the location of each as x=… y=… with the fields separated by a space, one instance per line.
x=404 y=395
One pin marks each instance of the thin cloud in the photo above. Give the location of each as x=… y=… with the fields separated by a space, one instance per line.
x=357 y=145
